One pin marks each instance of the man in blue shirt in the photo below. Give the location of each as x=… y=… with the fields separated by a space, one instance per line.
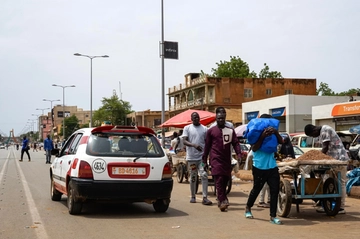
x=48 y=146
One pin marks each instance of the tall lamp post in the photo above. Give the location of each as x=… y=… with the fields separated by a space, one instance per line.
x=91 y=58
x=63 y=86
x=52 y=126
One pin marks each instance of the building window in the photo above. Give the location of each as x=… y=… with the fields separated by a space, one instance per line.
x=247 y=93
x=191 y=96
x=288 y=92
x=268 y=92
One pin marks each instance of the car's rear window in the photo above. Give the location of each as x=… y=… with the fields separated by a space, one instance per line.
x=124 y=145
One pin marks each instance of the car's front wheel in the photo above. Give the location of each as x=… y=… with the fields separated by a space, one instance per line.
x=55 y=194
x=74 y=206
x=161 y=205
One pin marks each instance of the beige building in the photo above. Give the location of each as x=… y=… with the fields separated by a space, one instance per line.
x=147 y=118
x=59 y=111
x=208 y=93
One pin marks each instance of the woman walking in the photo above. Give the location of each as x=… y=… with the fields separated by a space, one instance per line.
x=25 y=148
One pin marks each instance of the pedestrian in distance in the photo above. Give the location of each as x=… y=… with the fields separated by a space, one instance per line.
x=34 y=145
x=48 y=146
x=332 y=146
x=25 y=148
x=264 y=168
x=194 y=140
x=287 y=149
x=218 y=142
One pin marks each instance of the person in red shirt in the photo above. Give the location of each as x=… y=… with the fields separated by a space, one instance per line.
x=218 y=143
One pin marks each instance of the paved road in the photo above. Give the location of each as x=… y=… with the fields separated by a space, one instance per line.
x=26 y=211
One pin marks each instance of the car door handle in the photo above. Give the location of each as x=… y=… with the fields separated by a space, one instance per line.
x=69 y=162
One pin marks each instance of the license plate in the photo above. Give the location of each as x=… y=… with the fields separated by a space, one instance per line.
x=128 y=171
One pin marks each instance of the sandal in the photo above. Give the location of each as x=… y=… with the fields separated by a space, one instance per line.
x=249 y=215
x=276 y=221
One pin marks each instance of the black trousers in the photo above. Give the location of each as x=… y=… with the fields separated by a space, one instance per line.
x=272 y=178
x=22 y=153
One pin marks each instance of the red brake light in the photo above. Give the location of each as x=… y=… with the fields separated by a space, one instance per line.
x=85 y=170
x=167 y=171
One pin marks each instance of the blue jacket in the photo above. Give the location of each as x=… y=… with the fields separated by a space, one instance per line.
x=48 y=144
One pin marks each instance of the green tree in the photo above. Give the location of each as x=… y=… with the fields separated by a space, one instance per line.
x=235 y=68
x=324 y=89
x=266 y=73
x=113 y=110
x=71 y=125
x=84 y=126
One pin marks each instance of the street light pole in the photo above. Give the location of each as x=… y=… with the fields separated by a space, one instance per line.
x=91 y=58
x=120 y=93
x=52 y=126
x=63 y=86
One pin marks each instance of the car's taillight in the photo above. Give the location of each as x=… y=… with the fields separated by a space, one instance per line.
x=167 y=171
x=85 y=170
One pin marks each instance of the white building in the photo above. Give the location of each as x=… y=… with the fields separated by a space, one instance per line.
x=341 y=116
x=293 y=111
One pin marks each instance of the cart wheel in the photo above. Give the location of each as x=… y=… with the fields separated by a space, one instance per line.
x=180 y=173
x=228 y=186
x=284 y=198
x=331 y=205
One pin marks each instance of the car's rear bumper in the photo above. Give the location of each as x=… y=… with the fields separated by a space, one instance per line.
x=126 y=191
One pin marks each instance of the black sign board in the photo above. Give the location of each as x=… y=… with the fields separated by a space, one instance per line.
x=171 y=50
x=60 y=114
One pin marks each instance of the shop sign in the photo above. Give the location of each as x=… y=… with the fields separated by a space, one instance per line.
x=252 y=115
x=352 y=108
x=278 y=112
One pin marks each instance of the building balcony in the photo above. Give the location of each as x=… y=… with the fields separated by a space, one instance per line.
x=191 y=83
x=190 y=104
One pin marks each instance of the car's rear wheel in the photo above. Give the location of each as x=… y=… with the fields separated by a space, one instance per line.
x=55 y=194
x=74 y=206
x=161 y=205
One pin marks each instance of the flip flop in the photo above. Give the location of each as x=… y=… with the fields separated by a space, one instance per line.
x=249 y=215
x=276 y=221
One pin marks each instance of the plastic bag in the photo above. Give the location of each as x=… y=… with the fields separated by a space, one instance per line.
x=255 y=128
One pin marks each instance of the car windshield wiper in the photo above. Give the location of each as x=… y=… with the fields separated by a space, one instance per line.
x=139 y=157
x=144 y=155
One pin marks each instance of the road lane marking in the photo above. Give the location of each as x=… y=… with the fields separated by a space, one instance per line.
x=4 y=167
x=35 y=216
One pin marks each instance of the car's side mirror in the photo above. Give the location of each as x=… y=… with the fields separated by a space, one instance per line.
x=55 y=152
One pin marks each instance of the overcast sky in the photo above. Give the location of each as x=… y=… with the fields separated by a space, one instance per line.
x=301 y=39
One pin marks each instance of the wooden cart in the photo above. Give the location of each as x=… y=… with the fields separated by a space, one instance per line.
x=295 y=185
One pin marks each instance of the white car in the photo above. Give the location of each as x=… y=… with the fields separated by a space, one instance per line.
x=89 y=167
